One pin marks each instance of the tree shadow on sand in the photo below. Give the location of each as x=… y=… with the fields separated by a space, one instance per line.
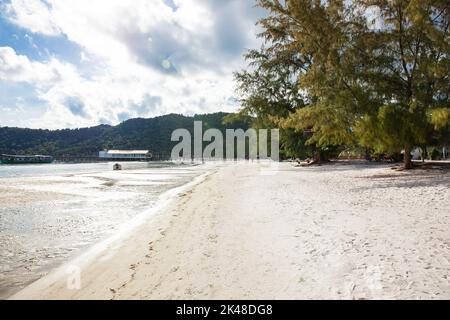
x=429 y=177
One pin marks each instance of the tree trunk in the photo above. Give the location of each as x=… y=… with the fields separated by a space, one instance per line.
x=367 y=154
x=424 y=153
x=407 y=158
x=318 y=156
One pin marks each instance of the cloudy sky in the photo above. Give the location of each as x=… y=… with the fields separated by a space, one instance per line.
x=76 y=63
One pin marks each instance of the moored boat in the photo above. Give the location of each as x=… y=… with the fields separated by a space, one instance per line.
x=23 y=159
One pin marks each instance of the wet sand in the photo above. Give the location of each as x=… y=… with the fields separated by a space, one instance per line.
x=50 y=214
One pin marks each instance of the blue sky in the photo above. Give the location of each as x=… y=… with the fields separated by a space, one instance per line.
x=76 y=63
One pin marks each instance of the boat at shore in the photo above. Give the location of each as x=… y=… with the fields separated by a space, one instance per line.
x=24 y=159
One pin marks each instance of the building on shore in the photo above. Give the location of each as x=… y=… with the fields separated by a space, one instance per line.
x=125 y=155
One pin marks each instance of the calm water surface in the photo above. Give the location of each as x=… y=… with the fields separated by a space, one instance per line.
x=50 y=213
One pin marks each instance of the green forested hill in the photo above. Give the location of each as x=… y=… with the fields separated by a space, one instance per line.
x=153 y=134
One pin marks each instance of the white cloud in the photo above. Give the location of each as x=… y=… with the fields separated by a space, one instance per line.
x=19 y=68
x=33 y=15
x=105 y=97
x=145 y=58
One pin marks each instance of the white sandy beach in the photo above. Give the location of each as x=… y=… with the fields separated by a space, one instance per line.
x=344 y=231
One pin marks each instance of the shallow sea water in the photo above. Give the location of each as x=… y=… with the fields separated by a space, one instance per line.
x=50 y=213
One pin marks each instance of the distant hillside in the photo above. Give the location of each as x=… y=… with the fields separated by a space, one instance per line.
x=152 y=134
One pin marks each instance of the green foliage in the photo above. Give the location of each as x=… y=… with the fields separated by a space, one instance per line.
x=434 y=154
x=374 y=73
x=328 y=126
x=153 y=134
x=390 y=129
x=270 y=92
x=440 y=118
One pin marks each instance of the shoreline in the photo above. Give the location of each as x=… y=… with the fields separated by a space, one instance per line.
x=93 y=205
x=341 y=232
x=107 y=247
